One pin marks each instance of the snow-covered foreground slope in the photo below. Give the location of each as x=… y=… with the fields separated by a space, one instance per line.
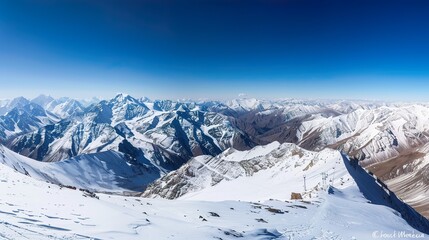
x=31 y=209
x=105 y=171
x=276 y=171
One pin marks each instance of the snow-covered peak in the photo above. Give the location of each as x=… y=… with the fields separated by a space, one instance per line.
x=123 y=97
x=126 y=107
x=165 y=105
x=68 y=108
x=145 y=100
x=43 y=100
x=24 y=119
x=88 y=101
x=11 y=104
x=32 y=109
x=182 y=108
x=51 y=105
x=246 y=104
x=4 y=102
x=19 y=101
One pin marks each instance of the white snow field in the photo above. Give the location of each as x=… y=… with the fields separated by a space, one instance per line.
x=34 y=209
x=106 y=171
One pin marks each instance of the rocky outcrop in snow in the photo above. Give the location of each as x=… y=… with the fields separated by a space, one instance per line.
x=280 y=166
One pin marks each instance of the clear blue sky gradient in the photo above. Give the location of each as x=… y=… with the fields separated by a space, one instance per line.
x=216 y=49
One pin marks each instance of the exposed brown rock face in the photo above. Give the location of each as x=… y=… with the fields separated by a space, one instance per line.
x=296 y=196
x=407 y=176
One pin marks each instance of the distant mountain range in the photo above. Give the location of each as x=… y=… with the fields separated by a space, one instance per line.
x=160 y=136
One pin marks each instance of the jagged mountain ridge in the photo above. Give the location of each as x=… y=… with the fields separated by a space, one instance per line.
x=163 y=137
x=24 y=118
x=168 y=133
x=9 y=104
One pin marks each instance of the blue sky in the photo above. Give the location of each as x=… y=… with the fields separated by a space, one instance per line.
x=216 y=49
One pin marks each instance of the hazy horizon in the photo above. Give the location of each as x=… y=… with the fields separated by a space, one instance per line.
x=223 y=99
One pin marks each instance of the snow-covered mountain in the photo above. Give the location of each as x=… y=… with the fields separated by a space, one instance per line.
x=369 y=135
x=103 y=172
x=407 y=175
x=180 y=131
x=161 y=140
x=391 y=137
x=89 y=101
x=43 y=100
x=8 y=105
x=165 y=134
x=68 y=108
x=39 y=210
x=297 y=107
x=20 y=115
x=280 y=166
x=24 y=118
x=63 y=107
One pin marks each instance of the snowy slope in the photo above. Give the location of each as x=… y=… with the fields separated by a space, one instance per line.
x=264 y=172
x=280 y=179
x=32 y=209
x=105 y=171
x=276 y=172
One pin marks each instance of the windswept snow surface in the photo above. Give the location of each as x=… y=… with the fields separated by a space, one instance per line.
x=105 y=171
x=32 y=209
